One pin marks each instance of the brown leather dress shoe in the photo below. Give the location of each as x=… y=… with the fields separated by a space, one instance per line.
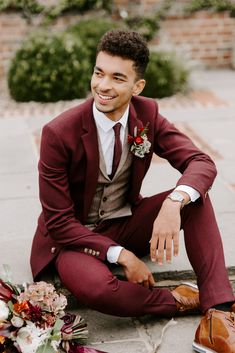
x=187 y=299
x=216 y=333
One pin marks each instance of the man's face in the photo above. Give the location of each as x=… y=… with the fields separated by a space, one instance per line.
x=113 y=83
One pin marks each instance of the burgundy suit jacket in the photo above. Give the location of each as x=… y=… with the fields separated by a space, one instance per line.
x=68 y=173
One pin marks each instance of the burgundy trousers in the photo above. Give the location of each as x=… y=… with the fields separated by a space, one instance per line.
x=92 y=282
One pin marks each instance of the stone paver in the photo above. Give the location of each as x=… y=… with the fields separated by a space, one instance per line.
x=207 y=115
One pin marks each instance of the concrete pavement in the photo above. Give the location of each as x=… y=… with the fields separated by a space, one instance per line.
x=207 y=115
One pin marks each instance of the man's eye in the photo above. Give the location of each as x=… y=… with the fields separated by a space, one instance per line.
x=119 y=79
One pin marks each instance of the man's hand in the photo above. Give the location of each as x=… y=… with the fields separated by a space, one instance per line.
x=165 y=233
x=135 y=270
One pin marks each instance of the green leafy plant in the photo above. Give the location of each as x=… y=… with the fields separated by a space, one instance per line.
x=214 y=5
x=165 y=76
x=75 y=6
x=27 y=7
x=146 y=26
x=49 y=69
x=32 y=7
x=90 y=31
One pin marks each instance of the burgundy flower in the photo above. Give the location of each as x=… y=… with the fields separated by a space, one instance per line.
x=6 y=292
x=76 y=348
x=34 y=312
x=68 y=318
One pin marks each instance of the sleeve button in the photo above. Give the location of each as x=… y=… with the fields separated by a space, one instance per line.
x=53 y=250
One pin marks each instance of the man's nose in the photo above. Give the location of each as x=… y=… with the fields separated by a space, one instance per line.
x=105 y=84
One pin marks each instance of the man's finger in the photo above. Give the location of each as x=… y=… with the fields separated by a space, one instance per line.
x=176 y=245
x=146 y=284
x=153 y=247
x=168 y=249
x=160 y=251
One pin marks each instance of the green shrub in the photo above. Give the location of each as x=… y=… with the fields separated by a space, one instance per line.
x=90 y=31
x=165 y=76
x=75 y=6
x=27 y=7
x=214 y=5
x=49 y=69
x=62 y=6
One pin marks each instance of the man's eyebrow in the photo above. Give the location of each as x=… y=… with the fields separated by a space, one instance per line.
x=98 y=68
x=119 y=74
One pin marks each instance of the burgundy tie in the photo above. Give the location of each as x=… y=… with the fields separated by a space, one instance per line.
x=117 y=148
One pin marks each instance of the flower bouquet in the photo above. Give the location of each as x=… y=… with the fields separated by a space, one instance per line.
x=32 y=320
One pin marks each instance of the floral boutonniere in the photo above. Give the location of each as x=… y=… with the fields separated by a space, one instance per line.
x=140 y=144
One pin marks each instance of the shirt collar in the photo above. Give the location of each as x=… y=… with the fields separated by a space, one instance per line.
x=105 y=123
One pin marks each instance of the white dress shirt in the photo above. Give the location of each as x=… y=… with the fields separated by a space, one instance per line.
x=106 y=136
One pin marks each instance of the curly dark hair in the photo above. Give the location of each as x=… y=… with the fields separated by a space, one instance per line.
x=128 y=45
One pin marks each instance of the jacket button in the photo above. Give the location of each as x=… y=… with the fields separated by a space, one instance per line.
x=53 y=250
x=101 y=212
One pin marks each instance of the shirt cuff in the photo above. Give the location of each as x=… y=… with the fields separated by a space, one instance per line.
x=113 y=253
x=193 y=194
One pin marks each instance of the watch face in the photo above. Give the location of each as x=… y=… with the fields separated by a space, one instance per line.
x=176 y=197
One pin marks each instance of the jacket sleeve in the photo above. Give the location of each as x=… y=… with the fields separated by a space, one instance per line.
x=57 y=204
x=197 y=168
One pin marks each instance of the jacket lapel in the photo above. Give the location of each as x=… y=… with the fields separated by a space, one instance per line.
x=138 y=164
x=90 y=143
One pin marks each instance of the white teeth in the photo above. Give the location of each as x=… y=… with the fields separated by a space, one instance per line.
x=105 y=97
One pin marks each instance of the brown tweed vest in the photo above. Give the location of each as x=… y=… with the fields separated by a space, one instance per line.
x=110 y=197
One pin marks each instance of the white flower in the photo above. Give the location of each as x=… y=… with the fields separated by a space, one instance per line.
x=17 y=321
x=30 y=337
x=4 y=311
x=141 y=149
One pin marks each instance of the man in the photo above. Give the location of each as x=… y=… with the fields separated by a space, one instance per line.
x=90 y=178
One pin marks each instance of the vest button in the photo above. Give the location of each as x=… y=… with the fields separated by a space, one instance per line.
x=102 y=213
x=53 y=250
x=105 y=199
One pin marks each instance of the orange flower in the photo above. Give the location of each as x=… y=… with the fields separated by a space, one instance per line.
x=2 y=339
x=19 y=307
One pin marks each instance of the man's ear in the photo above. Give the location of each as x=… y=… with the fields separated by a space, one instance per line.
x=139 y=86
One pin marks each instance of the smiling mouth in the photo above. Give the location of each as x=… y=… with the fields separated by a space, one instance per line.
x=105 y=98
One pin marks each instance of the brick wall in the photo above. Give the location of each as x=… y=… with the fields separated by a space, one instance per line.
x=14 y=29
x=204 y=39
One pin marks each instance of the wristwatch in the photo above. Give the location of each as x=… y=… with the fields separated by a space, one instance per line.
x=177 y=197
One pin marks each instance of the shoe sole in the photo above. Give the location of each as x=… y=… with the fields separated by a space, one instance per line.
x=190 y=284
x=202 y=349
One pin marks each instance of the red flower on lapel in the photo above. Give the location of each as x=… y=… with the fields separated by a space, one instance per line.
x=140 y=144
